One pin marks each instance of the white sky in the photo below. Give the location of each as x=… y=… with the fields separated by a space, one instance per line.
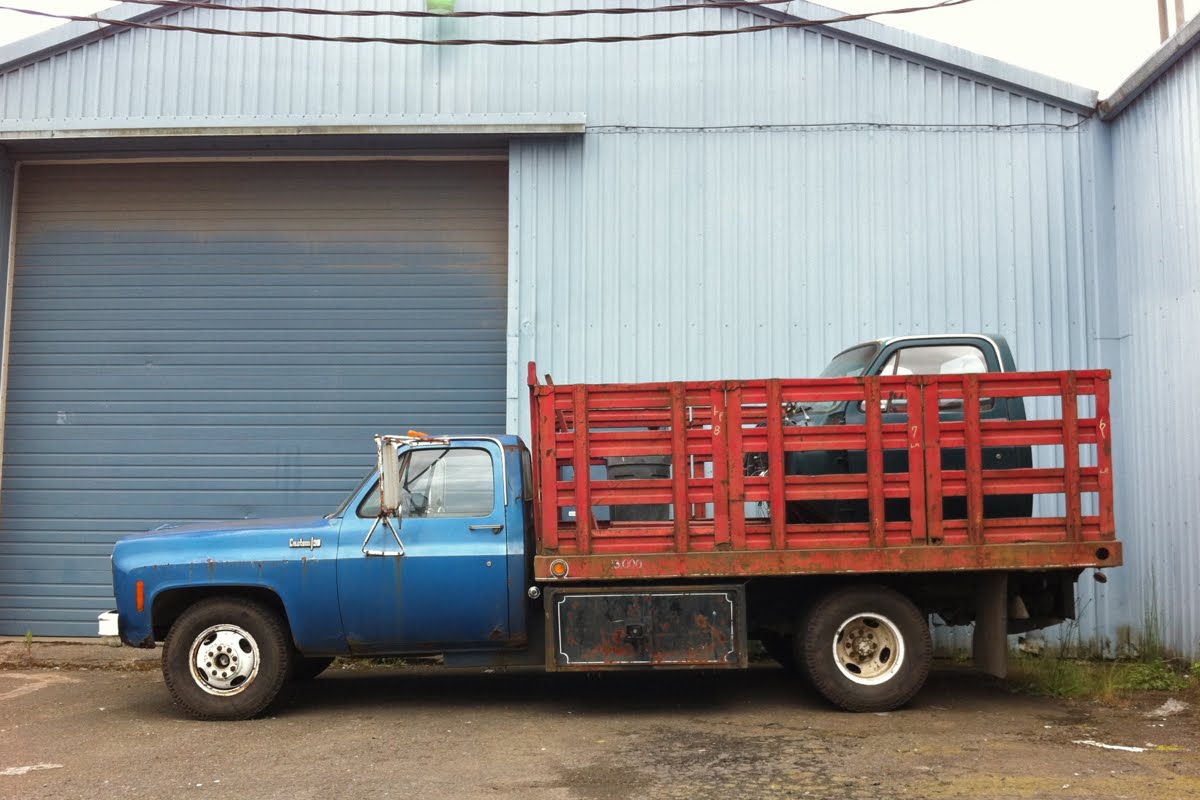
x=1094 y=43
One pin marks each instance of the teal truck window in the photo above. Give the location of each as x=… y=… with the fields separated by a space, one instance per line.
x=937 y=360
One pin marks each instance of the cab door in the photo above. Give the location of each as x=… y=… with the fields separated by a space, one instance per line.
x=439 y=582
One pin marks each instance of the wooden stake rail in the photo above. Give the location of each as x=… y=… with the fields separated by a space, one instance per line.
x=718 y=434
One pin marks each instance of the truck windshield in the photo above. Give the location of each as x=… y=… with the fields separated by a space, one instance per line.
x=851 y=363
x=341 y=509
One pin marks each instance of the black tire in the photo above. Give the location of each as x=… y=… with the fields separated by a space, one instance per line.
x=882 y=645
x=305 y=668
x=226 y=659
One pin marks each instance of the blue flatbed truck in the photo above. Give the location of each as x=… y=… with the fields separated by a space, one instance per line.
x=486 y=552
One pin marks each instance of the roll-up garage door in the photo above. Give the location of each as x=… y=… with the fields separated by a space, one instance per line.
x=207 y=341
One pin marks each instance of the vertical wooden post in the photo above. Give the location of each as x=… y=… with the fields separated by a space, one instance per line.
x=737 y=467
x=875 y=475
x=776 y=476
x=1104 y=459
x=545 y=455
x=934 y=505
x=973 y=437
x=583 y=471
x=1070 y=439
x=680 y=469
x=721 y=468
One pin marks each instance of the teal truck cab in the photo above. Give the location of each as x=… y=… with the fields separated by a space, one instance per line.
x=880 y=483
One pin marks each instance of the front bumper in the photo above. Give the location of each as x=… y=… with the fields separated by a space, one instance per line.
x=108 y=624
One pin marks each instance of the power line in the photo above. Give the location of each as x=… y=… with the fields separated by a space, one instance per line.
x=650 y=37
x=569 y=12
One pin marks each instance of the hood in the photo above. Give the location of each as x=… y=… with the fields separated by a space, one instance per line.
x=232 y=528
x=235 y=525
x=235 y=540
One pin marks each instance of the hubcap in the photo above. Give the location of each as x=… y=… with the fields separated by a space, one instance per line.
x=224 y=659
x=868 y=649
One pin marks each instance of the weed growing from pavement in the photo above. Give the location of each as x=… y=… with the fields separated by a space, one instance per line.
x=1064 y=672
x=1103 y=681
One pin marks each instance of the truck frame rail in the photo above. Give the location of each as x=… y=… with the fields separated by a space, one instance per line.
x=710 y=429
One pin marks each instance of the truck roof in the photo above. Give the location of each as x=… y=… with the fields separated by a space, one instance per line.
x=504 y=439
x=995 y=339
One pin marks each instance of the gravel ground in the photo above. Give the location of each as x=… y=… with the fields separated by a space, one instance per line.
x=80 y=720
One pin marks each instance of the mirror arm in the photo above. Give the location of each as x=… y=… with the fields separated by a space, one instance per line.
x=387 y=522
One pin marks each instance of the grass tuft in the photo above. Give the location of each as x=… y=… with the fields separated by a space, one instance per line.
x=1105 y=681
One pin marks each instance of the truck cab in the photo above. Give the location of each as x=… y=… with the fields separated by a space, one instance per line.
x=252 y=604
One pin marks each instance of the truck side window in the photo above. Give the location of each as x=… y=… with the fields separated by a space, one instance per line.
x=442 y=482
x=452 y=482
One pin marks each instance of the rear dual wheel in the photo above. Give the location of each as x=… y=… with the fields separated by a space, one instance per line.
x=865 y=648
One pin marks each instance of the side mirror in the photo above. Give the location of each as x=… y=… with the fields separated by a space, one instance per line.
x=388 y=456
x=389 y=476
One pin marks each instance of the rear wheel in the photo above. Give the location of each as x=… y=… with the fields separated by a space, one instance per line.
x=866 y=648
x=226 y=659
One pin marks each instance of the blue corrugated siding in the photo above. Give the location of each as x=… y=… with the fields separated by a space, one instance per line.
x=1156 y=163
x=227 y=351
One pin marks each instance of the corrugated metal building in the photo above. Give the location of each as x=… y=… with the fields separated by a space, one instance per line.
x=1154 y=142
x=235 y=259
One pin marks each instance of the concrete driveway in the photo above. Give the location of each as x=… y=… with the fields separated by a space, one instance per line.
x=415 y=733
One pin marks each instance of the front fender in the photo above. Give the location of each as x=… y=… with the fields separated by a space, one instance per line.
x=176 y=570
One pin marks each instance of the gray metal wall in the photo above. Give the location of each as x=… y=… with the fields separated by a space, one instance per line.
x=199 y=341
x=1156 y=172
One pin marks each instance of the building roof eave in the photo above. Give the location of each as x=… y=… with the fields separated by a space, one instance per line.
x=1163 y=59
x=986 y=69
x=72 y=34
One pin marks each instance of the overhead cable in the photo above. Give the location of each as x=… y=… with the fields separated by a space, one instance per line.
x=374 y=12
x=649 y=37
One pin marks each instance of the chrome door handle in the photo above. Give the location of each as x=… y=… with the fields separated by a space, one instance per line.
x=492 y=528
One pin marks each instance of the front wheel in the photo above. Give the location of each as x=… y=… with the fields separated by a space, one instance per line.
x=866 y=648
x=226 y=659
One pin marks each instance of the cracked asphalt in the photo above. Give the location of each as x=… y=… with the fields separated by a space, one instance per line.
x=96 y=732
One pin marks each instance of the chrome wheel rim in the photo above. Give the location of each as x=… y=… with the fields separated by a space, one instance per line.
x=224 y=659
x=868 y=649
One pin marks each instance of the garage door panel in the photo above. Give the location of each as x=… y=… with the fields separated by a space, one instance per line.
x=199 y=341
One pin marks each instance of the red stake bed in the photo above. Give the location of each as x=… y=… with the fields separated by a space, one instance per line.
x=718 y=521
